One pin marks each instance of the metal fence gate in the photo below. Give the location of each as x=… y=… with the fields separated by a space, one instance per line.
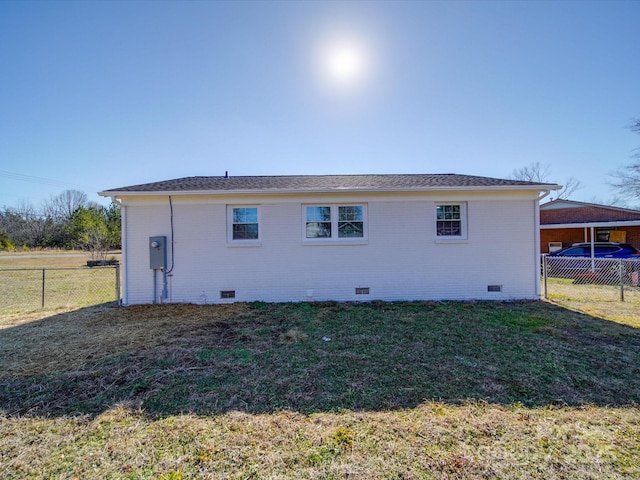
x=51 y=288
x=596 y=277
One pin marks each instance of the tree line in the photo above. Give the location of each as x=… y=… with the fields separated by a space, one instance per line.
x=68 y=220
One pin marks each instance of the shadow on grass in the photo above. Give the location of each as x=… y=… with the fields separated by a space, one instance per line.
x=260 y=358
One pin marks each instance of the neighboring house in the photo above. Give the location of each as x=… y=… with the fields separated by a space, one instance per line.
x=333 y=237
x=565 y=222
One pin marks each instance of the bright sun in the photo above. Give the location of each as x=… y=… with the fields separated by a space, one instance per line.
x=344 y=63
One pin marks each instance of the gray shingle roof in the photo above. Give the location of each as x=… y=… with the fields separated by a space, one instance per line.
x=313 y=183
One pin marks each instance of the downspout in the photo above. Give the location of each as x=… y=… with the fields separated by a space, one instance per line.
x=536 y=223
x=123 y=242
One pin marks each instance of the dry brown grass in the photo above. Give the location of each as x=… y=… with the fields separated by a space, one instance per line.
x=48 y=258
x=46 y=344
x=600 y=301
x=433 y=440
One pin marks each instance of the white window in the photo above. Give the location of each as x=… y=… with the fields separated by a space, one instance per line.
x=243 y=224
x=334 y=222
x=451 y=221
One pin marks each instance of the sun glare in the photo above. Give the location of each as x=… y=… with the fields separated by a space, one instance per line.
x=344 y=63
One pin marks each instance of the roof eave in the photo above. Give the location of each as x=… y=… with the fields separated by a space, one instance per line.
x=129 y=193
x=615 y=223
x=577 y=204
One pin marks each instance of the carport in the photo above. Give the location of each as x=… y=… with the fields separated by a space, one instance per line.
x=565 y=222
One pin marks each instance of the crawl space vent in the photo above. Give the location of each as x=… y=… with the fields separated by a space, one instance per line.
x=362 y=291
x=227 y=294
x=494 y=288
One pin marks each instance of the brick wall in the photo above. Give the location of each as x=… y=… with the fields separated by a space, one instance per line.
x=586 y=214
x=401 y=259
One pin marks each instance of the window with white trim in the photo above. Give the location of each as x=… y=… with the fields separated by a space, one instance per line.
x=334 y=222
x=243 y=224
x=451 y=220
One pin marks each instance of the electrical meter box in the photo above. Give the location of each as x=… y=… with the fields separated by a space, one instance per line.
x=158 y=253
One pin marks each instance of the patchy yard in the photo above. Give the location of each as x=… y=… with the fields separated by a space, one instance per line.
x=322 y=390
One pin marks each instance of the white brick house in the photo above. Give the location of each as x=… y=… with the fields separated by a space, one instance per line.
x=333 y=237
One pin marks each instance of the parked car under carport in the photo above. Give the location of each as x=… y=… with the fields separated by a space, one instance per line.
x=597 y=262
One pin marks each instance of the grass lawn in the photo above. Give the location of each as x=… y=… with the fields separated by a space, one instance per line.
x=401 y=390
x=601 y=301
x=68 y=283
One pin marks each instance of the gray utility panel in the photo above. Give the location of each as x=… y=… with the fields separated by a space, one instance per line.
x=158 y=253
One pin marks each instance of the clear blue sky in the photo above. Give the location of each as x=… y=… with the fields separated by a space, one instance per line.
x=97 y=95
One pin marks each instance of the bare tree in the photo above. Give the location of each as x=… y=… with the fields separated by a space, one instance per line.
x=537 y=172
x=62 y=206
x=534 y=172
x=32 y=228
x=627 y=181
x=615 y=201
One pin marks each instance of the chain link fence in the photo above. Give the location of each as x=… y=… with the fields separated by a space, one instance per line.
x=50 y=288
x=595 y=278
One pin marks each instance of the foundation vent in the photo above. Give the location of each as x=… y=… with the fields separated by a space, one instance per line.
x=362 y=291
x=494 y=288
x=227 y=294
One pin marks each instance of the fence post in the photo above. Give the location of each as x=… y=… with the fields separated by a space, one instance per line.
x=43 y=284
x=117 y=283
x=621 y=277
x=544 y=275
